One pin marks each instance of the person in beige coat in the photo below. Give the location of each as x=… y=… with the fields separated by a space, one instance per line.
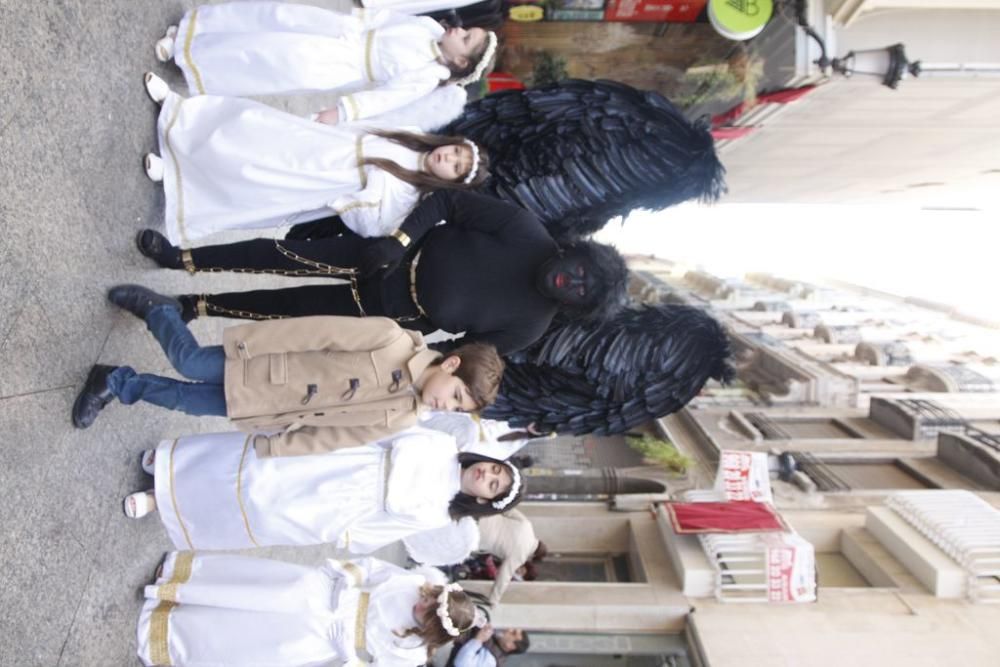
x=312 y=384
x=511 y=537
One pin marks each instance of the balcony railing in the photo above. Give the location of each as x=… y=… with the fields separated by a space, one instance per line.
x=962 y=525
x=932 y=418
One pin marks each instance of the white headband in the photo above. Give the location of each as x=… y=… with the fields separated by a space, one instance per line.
x=442 y=610
x=491 y=49
x=475 y=161
x=515 y=486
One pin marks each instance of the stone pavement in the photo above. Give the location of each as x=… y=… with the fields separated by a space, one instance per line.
x=74 y=123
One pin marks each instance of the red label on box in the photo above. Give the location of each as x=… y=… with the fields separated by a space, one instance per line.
x=655 y=11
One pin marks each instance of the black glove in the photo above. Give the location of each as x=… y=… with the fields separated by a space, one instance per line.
x=385 y=253
x=324 y=228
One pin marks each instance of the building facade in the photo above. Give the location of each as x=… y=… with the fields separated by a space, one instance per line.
x=855 y=396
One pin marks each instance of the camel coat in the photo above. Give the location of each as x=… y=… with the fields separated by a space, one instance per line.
x=325 y=382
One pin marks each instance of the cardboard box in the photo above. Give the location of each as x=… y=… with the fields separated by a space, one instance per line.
x=654 y=11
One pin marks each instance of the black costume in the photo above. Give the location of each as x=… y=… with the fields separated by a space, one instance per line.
x=578 y=153
x=476 y=273
x=609 y=377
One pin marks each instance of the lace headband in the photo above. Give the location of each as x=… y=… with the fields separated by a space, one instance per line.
x=475 y=161
x=515 y=486
x=442 y=610
x=484 y=62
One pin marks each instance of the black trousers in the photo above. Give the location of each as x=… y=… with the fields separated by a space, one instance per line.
x=385 y=295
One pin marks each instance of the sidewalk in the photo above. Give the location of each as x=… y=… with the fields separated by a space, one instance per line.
x=74 y=124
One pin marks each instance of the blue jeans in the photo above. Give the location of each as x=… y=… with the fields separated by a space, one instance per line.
x=204 y=364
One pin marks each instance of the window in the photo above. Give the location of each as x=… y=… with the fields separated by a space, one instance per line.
x=806 y=428
x=586 y=567
x=873 y=474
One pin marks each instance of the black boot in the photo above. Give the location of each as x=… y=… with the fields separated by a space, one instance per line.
x=139 y=300
x=189 y=306
x=155 y=245
x=93 y=397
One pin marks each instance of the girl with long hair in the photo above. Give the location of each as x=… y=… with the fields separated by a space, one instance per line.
x=384 y=60
x=213 y=492
x=233 y=611
x=231 y=163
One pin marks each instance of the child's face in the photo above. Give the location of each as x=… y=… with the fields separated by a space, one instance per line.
x=449 y=163
x=443 y=390
x=458 y=44
x=486 y=480
x=508 y=639
x=422 y=608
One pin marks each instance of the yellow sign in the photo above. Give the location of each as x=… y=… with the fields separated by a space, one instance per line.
x=526 y=13
x=739 y=19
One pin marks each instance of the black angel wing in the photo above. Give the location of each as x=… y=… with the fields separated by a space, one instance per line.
x=609 y=377
x=578 y=153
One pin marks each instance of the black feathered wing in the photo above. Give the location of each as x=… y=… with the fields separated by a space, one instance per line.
x=609 y=377
x=578 y=153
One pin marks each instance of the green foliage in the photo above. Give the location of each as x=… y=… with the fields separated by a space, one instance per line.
x=549 y=68
x=659 y=451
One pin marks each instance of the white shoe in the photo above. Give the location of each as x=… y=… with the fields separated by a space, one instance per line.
x=148 y=461
x=139 y=504
x=154 y=167
x=156 y=88
x=164 y=48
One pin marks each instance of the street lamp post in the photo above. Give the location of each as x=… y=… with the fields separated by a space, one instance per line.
x=889 y=64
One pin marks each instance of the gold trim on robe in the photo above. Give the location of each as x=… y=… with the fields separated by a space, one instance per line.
x=159 y=619
x=239 y=491
x=369 y=43
x=356 y=574
x=360 y=150
x=360 y=623
x=177 y=175
x=187 y=52
x=173 y=498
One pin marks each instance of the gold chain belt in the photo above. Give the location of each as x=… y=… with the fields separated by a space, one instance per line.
x=203 y=307
x=413 y=286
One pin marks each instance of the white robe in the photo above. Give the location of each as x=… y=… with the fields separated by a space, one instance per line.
x=416 y=6
x=216 y=610
x=232 y=163
x=265 y=48
x=212 y=492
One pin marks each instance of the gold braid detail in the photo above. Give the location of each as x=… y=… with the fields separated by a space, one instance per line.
x=316 y=268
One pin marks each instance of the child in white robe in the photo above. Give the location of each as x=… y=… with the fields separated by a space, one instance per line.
x=232 y=163
x=222 y=610
x=383 y=59
x=213 y=492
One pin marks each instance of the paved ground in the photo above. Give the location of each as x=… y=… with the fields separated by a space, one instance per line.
x=74 y=121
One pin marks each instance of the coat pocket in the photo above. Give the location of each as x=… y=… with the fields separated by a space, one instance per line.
x=278 y=368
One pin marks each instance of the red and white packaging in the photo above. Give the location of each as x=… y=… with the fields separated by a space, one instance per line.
x=744 y=476
x=654 y=11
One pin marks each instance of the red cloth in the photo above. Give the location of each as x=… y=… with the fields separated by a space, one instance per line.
x=502 y=81
x=777 y=97
x=721 y=133
x=737 y=516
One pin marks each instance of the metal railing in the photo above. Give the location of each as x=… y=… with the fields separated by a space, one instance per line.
x=933 y=418
x=819 y=472
x=962 y=525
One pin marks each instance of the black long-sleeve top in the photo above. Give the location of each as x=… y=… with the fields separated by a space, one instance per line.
x=477 y=271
